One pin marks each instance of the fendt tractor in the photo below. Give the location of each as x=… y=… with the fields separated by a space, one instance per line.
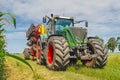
x=58 y=43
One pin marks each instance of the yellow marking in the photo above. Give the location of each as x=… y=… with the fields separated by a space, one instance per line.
x=41 y=29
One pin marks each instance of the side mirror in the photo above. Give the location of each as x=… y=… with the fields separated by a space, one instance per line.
x=44 y=19
x=86 y=24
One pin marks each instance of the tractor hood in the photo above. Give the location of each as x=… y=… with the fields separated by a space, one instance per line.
x=79 y=31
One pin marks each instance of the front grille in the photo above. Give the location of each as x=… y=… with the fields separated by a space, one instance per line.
x=79 y=31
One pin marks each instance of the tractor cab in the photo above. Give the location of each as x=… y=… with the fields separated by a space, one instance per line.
x=57 y=23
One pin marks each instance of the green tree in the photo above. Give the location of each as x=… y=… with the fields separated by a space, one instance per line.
x=118 y=43
x=112 y=44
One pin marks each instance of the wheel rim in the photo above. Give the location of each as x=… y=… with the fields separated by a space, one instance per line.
x=91 y=48
x=50 y=53
x=38 y=52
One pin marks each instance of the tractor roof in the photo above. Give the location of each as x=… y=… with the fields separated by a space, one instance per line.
x=63 y=17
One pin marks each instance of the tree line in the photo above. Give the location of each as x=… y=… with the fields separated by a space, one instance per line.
x=113 y=43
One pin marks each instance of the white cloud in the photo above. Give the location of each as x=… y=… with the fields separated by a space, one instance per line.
x=103 y=30
x=95 y=11
x=15 y=35
x=16 y=42
x=36 y=9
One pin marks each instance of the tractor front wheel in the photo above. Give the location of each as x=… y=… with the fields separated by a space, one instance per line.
x=96 y=46
x=57 y=53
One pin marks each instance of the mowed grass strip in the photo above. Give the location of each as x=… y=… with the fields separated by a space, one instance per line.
x=18 y=71
x=110 y=72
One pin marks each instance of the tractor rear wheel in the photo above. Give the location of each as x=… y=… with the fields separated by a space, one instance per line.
x=57 y=53
x=42 y=60
x=96 y=46
x=39 y=53
x=26 y=53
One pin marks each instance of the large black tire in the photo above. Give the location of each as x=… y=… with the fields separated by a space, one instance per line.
x=26 y=53
x=42 y=60
x=57 y=53
x=105 y=55
x=40 y=57
x=96 y=46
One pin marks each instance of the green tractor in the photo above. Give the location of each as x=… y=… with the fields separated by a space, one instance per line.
x=64 y=44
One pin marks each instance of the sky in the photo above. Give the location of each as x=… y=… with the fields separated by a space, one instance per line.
x=103 y=17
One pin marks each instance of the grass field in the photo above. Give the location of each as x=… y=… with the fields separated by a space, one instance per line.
x=16 y=70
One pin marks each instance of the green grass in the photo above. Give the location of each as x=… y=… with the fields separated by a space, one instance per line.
x=1 y=68
x=110 y=72
x=2 y=59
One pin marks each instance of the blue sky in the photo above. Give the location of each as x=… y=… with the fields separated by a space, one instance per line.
x=103 y=17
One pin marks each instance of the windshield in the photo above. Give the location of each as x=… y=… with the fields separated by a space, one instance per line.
x=60 y=23
x=64 y=22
